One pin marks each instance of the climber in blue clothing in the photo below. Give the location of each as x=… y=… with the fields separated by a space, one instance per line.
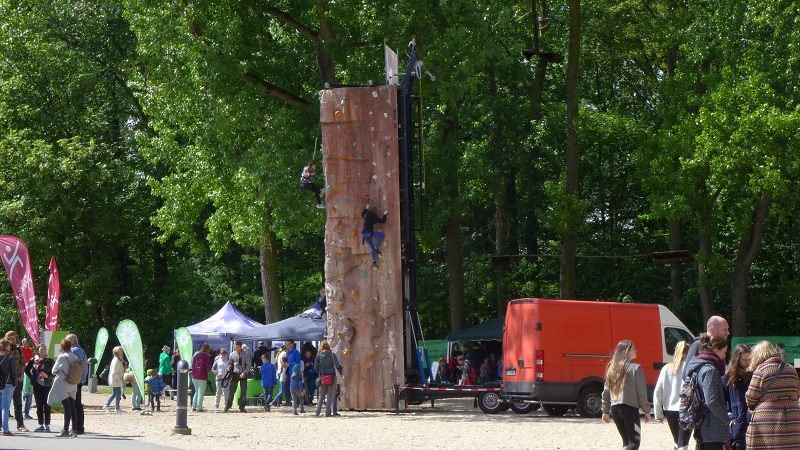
x=368 y=232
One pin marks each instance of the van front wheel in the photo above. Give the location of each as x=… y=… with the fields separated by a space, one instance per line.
x=490 y=403
x=555 y=410
x=590 y=403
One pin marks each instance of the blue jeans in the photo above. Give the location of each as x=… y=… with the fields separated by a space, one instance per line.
x=287 y=393
x=376 y=245
x=117 y=394
x=6 y=396
x=27 y=407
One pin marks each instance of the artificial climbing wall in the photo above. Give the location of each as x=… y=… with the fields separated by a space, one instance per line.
x=365 y=307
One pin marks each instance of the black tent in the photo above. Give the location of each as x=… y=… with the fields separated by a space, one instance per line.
x=296 y=328
x=487 y=331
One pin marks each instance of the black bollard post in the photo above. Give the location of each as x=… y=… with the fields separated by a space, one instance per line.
x=92 y=381
x=182 y=404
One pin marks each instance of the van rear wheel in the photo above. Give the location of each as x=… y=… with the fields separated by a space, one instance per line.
x=590 y=403
x=490 y=403
x=524 y=408
x=556 y=410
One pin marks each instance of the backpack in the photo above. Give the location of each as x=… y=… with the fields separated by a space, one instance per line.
x=693 y=404
x=75 y=371
x=3 y=376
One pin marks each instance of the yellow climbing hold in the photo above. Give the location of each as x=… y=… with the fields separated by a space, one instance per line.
x=341 y=307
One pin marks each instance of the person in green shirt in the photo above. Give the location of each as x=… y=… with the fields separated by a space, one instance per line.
x=165 y=367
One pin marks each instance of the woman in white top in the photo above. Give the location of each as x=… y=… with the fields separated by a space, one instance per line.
x=115 y=380
x=667 y=396
x=220 y=368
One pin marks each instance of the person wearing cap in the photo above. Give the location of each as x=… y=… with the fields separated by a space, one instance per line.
x=240 y=365
x=19 y=362
x=259 y=351
x=165 y=367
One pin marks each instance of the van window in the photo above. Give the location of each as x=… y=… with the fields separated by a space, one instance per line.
x=674 y=335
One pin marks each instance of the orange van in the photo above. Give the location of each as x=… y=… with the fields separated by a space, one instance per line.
x=555 y=352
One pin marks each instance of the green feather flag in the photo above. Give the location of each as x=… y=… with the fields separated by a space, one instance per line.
x=100 y=346
x=131 y=341
x=184 y=339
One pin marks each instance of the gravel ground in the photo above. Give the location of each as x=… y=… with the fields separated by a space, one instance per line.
x=452 y=424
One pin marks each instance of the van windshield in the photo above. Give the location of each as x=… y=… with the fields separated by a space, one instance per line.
x=674 y=335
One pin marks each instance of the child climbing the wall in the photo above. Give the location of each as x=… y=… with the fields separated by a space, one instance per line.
x=307 y=182
x=368 y=232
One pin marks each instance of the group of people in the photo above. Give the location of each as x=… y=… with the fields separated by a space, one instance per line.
x=467 y=367
x=752 y=402
x=51 y=382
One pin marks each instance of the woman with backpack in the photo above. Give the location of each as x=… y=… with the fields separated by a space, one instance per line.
x=63 y=391
x=667 y=395
x=736 y=379
x=772 y=396
x=708 y=367
x=624 y=394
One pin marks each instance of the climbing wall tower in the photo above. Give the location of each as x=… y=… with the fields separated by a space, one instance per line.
x=365 y=304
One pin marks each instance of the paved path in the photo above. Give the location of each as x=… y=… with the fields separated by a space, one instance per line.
x=31 y=440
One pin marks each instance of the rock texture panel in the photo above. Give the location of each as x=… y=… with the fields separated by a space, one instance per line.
x=365 y=307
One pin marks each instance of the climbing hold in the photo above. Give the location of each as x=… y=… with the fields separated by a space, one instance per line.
x=372 y=128
x=338 y=114
x=339 y=254
x=388 y=153
x=374 y=177
x=384 y=197
x=339 y=335
x=341 y=307
x=352 y=215
x=360 y=261
x=370 y=113
x=347 y=351
x=353 y=293
x=354 y=143
x=390 y=270
x=386 y=137
x=352 y=233
x=338 y=281
x=385 y=115
x=388 y=174
x=333 y=210
x=363 y=273
x=374 y=94
x=338 y=127
x=374 y=163
x=355 y=105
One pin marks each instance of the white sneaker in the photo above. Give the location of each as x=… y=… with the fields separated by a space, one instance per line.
x=105 y=408
x=119 y=411
x=321 y=206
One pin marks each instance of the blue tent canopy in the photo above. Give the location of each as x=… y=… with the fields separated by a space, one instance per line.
x=217 y=329
x=297 y=328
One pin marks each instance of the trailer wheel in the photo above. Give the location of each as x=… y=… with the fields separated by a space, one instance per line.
x=590 y=403
x=524 y=408
x=490 y=403
x=556 y=410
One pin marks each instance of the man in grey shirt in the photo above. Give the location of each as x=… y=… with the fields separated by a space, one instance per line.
x=240 y=365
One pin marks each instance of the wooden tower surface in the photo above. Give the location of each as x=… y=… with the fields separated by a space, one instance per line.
x=365 y=305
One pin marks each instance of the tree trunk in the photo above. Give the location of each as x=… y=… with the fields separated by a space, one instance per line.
x=452 y=235
x=455 y=272
x=270 y=284
x=676 y=275
x=570 y=240
x=745 y=256
x=500 y=223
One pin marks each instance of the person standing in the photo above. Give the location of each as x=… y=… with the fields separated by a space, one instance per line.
x=709 y=366
x=165 y=366
x=19 y=361
x=81 y=354
x=8 y=372
x=268 y=379
x=326 y=363
x=736 y=380
x=716 y=326
x=772 y=396
x=40 y=371
x=115 y=380
x=308 y=375
x=240 y=366
x=220 y=369
x=292 y=359
x=781 y=352
x=296 y=388
x=368 y=231
x=201 y=365
x=64 y=392
x=667 y=395
x=27 y=388
x=624 y=394
x=455 y=372
x=261 y=349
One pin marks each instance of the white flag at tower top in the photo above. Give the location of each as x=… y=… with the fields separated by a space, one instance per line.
x=392 y=68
